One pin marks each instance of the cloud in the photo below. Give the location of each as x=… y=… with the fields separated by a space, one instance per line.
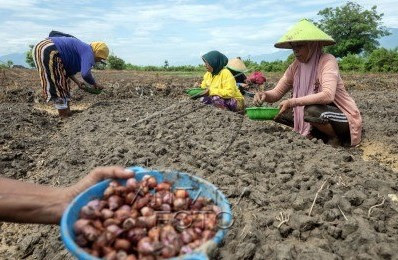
x=388 y=7
x=16 y=5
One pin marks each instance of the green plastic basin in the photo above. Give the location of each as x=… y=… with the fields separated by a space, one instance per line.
x=193 y=91
x=262 y=113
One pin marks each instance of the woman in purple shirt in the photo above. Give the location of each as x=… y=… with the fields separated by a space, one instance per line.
x=58 y=59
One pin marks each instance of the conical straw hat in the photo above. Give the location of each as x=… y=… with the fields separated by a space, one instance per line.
x=304 y=31
x=236 y=64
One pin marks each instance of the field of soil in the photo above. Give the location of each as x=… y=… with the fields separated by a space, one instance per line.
x=270 y=174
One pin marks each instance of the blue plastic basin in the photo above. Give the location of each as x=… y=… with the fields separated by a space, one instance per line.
x=195 y=187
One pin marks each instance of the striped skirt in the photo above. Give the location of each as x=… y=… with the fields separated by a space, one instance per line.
x=54 y=82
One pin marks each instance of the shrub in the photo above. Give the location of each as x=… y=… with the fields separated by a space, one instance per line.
x=382 y=60
x=29 y=57
x=116 y=63
x=352 y=62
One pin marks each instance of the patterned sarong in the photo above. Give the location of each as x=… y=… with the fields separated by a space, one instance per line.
x=55 y=83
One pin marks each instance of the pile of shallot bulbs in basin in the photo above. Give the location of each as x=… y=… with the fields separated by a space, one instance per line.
x=145 y=220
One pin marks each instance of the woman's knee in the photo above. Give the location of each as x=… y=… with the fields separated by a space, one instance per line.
x=312 y=114
x=312 y=111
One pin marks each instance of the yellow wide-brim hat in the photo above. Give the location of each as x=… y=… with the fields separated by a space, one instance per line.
x=100 y=50
x=304 y=31
x=236 y=64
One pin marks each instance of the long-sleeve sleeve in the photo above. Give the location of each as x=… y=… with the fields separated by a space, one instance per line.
x=283 y=86
x=328 y=85
x=87 y=62
x=205 y=80
x=222 y=84
x=227 y=88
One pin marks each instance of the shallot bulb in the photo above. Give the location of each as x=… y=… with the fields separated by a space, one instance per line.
x=132 y=184
x=114 y=184
x=150 y=221
x=154 y=233
x=141 y=202
x=168 y=198
x=147 y=211
x=129 y=223
x=131 y=198
x=109 y=192
x=152 y=183
x=165 y=207
x=121 y=190
x=122 y=244
x=80 y=224
x=185 y=250
x=146 y=246
x=136 y=234
x=163 y=186
x=91 y=211
x=81 y=240
x=115 y=202
x=106 y=213
x=111 y=221
x=181 y=194
x=123 y=213
x=90 y=232
x=116 y=230
x=180 y=204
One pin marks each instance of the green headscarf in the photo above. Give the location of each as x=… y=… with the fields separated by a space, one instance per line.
x=216 y=60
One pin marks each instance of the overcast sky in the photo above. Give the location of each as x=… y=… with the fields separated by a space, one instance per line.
x=149 y=32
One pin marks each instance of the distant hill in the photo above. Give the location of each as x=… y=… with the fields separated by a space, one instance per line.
x=16 y=58
x=278 y=55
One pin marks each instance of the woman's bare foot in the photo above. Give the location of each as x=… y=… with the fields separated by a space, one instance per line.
x=334 y=142
x=64 y=112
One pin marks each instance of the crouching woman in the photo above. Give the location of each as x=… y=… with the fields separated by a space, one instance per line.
x=219 y=84
x=320 y=105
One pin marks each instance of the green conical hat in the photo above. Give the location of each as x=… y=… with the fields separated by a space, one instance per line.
x=304 y=31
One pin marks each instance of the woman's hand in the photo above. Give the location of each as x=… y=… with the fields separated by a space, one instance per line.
x=285 y=105
x=244 y=85
x=95 y=176
x=259 y=98
x=98 y=86
x=81 y=84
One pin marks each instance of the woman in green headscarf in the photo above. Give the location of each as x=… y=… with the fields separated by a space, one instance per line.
x=220 y=84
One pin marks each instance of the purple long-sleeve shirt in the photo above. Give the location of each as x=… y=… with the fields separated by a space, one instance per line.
x=76 y=56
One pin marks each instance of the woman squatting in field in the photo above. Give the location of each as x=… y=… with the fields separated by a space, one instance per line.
x=58 y=58
x=238 y=68
x=219 y=84
x=320 y=105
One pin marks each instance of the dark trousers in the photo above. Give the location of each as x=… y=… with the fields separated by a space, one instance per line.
x=321 y=114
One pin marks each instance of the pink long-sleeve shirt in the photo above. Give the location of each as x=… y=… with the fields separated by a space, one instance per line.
x=329 y=88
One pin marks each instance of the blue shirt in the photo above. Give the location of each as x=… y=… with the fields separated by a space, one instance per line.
x=76 y=56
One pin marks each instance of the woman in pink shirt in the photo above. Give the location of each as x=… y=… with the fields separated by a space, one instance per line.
x=320 y=105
